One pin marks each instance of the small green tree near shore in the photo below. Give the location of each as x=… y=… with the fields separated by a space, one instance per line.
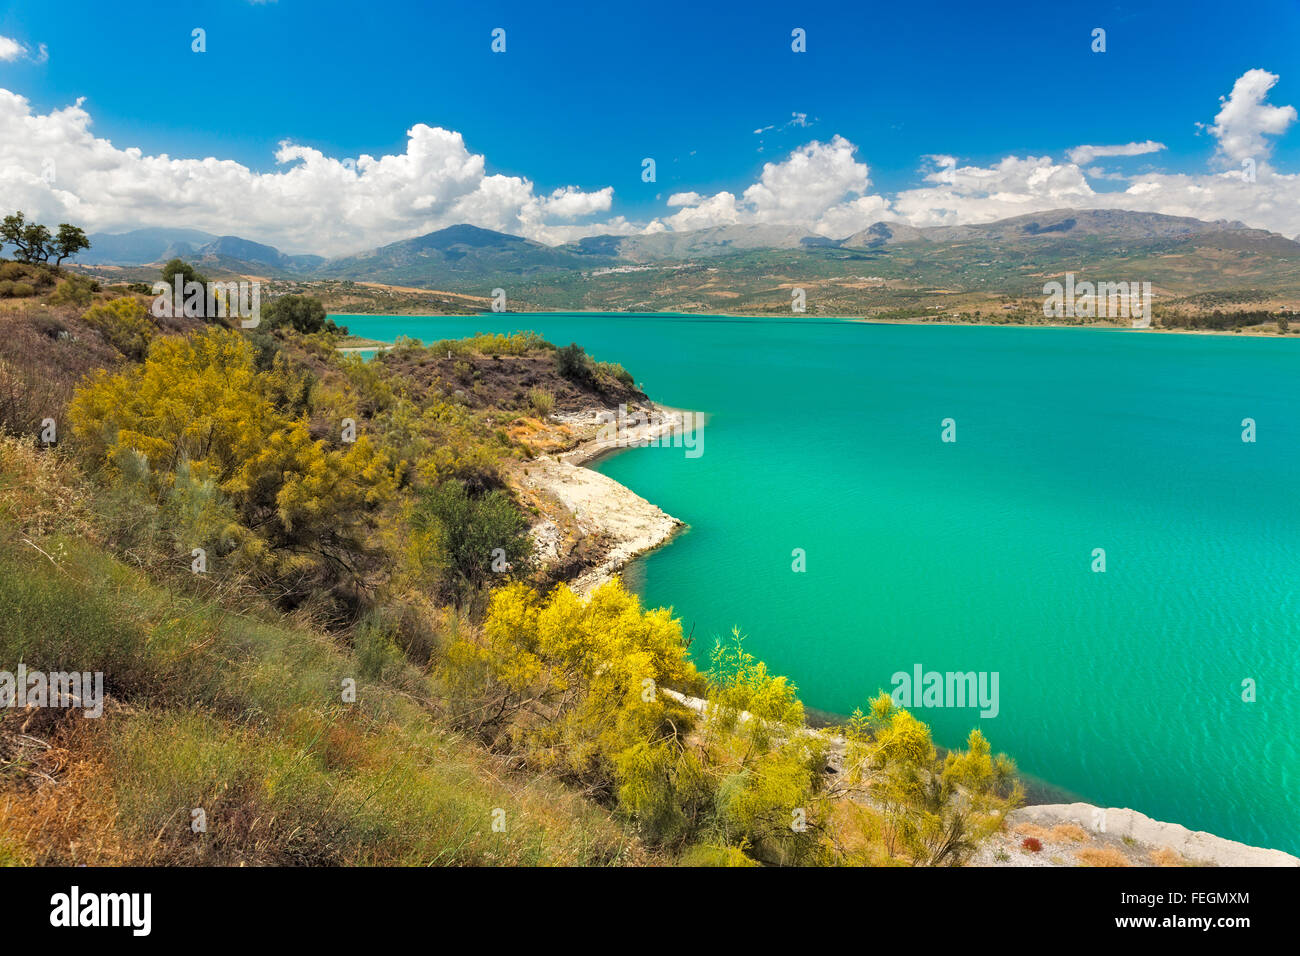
x=302 y=313
x=34 y=243
x=572 y=362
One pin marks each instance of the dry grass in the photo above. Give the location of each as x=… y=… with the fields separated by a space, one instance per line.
x=1164 y=856
x=40 y=492
x=1101 y=856
x=1070 y=832
x=1031 y=830
x=1061 y=833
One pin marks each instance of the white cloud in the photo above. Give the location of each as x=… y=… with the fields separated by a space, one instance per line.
x=823 y=188
x=313 y=203
x=571 y=202
x=318 y=203
x=10 y=49
x=1245 y=119
x=796 y=119
x=819 y=185
x=717 y=210
x=962 y=194
x=807 y=183
x=685 y=199
x=1081 y=155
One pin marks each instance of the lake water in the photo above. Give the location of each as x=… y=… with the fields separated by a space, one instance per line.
x=1125 y=687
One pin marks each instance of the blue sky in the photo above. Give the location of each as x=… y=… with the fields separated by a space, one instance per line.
x=586 y=90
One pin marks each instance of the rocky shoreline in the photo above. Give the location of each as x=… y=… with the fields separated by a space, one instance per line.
x=592 y=506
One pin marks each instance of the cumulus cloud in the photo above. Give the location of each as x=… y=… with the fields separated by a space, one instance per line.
x=820 y=186
x=1014 y=185
x=824 y=188
x=1245 y=119
x=1082 y=155
x=11 y=50
x=53 y=167
x=717 y=210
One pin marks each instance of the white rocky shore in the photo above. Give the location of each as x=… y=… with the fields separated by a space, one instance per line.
x=1067 y=831
x=596 y=504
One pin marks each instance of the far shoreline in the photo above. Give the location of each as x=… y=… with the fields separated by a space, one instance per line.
x=1253 y=332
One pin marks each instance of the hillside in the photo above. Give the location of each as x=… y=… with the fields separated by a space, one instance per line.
x=889 y=270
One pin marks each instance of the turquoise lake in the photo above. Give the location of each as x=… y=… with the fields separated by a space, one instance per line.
x=1122 y=688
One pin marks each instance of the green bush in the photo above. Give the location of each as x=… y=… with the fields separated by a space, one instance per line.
x=16 y=290
x=616 y=372
x=703 y=854
x=472 y=540
x=542 y=401
x=572 y=362
x=124 y=323
x=302 y=313
x=74 y=290
x=187 y=272
x=378 y=656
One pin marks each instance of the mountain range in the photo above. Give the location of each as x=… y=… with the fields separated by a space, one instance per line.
x=471 y=259
x=148 y=246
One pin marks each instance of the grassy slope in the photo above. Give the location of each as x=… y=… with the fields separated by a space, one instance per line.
x=243 y=718
x=238 y=713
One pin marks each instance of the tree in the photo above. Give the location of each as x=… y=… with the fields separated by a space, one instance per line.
x=70 y=240
x=302 y=313
x=187 y=272
x=473 y=540
x=30 y=239
x=572 y=362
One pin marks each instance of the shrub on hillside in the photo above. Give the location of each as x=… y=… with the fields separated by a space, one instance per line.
x=541 y=401
x=124 y=323
x=199 y=407
x=16 y=290
x=616 y=372
x=302 y=313
x=74 y=290
x=573 y=363
x=467 y=542
x=578 y=687
x=933 y=812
